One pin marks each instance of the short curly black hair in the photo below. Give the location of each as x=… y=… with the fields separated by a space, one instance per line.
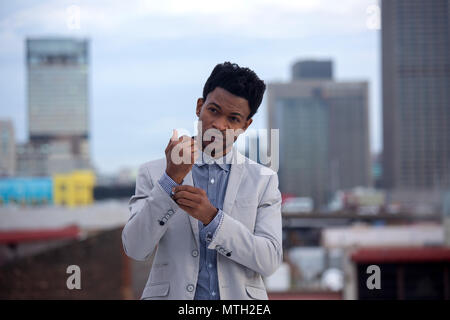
x=239 y=81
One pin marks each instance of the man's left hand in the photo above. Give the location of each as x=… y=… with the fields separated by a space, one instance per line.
x=195 y=202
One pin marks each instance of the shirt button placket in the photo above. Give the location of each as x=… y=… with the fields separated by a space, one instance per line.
x=211 y=186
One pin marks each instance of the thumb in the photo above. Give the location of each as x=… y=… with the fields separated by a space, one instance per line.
x=174 y=135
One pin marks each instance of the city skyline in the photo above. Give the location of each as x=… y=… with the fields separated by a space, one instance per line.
x=139 y=70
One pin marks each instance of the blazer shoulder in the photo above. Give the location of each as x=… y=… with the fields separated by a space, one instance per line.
x=255 y=168
x=153 y=167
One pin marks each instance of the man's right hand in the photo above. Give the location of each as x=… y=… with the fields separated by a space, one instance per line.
x=181 y=154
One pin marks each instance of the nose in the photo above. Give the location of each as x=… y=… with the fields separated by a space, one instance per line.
x=220 y=124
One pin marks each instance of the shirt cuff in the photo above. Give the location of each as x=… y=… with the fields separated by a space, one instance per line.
x=209 y=231
x=167 y=183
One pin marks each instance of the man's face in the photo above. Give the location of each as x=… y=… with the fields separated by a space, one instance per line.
x=222 y=110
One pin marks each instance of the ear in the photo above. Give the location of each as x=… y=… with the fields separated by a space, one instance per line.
x=199 y=107
x=247 y=124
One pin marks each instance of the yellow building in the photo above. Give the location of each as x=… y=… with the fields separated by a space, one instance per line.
x=74 y=189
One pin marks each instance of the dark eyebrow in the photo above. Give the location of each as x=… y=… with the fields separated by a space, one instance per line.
x=237 y=114
x=216 y=105
x=233 y=113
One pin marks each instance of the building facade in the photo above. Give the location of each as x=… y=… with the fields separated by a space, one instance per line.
x=58 y=101
x=312 y=69
x=416 y=97
x=324 y=136
x=7 y=148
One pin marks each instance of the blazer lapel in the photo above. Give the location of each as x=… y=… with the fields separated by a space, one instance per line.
x=194 y=222
x=234 y=181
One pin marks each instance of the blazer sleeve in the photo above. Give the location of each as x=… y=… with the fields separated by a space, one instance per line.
x=260 y=250
x=151 y=208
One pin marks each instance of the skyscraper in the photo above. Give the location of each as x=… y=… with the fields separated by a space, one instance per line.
x=324 y=135
x=58 y=102
x=416 y=97
x=312 y=69
x=7 y=148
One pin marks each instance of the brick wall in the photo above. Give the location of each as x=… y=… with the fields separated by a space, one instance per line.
x=106 y=273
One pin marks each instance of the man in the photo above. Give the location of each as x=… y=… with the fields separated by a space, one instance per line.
x=214 y=218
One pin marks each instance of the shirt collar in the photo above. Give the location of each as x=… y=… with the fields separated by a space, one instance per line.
x=223 y=162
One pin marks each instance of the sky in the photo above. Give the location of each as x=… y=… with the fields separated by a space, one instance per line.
x=149 y=60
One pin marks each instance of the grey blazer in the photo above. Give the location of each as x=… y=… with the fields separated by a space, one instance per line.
x=248 y=242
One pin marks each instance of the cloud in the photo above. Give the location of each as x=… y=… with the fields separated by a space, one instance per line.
x=179 y=18
x=147 y=54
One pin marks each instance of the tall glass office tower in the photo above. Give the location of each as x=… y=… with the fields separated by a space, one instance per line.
x=416 y=94
x=58 y=102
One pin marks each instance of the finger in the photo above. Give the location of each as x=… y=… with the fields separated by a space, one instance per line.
x=185 y=208
x=183 y=142
x=186 y=141
x=195 y=154
x=187 y=147
x=187 y=203
x=173 y=139
x=184 y=138
x=184 y=147
x=174 y=135
x=179 y=144
x=196 y=144
x=187 y=195
x=188 y=188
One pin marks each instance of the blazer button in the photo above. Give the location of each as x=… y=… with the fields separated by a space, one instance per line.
x=161 y=223
x=170 y=212
x=229 y=254
x=194 y=253
x=190 y=287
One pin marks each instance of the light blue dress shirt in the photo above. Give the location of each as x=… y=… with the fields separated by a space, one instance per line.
x=210 y=175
